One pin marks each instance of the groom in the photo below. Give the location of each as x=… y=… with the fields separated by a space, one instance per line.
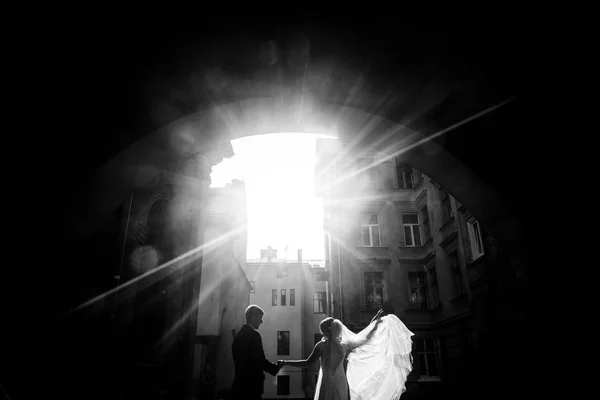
x=249 y=358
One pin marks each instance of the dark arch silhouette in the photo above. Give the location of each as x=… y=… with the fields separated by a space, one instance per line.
x=128 y=114
x=150 y=299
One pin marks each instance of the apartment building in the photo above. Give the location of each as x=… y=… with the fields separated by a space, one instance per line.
x=293 y=295
x=395 y=239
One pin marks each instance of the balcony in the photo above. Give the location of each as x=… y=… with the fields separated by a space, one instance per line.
x=382 y=253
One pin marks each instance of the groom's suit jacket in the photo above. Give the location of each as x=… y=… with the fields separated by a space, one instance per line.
x=250 y=362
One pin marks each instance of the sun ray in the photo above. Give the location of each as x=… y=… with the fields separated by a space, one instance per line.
x=406 y=145
x=450 y=128
x=183 y=259
x=190 y=310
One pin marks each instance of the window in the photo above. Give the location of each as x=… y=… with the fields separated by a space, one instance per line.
x=252 y=287
x=370 y=230
x=457 y=281
x=283 y=384
x=274 y=297
x=405 y=176
x=446 y=207
x=283 y=343
x=374 y=290
x=317 y=338
x=425 y=223
x=283 y=300
x=428 y=359
x=319 y=303
x=417 y=282
x=321 y=275
x=367 y=172
x=412 y=231
x=475 y=239
x=292 y=297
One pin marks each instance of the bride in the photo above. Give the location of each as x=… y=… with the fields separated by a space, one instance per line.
x=379 y=360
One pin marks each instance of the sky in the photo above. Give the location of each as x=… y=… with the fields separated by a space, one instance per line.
x=278 y=171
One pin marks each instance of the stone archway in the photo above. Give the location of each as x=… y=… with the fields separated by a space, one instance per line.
x=210 y=131
x=260 y=111
x=188 y=147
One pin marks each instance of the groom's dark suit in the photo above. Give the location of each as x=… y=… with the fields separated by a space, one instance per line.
x=250 y=362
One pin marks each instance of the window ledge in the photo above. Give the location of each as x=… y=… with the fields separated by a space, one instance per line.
x=427 y=241
x=475 y=261
x=478 y=258
x=371 y=247
x=424 y=244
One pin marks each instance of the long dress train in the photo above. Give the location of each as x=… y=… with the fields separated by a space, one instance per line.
x=377 y=369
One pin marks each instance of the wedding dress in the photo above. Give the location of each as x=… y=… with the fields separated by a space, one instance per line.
x=377 y=368
x=331 y=383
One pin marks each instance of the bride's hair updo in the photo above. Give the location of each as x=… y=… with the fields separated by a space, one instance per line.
x=325 y=326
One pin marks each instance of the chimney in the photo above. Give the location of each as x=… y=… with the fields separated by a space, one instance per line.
x=269 y=256
x=299 y=255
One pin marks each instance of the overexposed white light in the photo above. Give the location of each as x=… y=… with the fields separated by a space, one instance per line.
x=278 y=170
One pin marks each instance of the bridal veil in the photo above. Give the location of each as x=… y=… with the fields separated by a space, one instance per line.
x=378 y=369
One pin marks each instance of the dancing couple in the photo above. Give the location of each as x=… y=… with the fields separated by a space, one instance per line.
x=379 y=359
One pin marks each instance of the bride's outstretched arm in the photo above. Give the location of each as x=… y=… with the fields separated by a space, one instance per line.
x=377 y=316
x=314 y=356
x=360 y=342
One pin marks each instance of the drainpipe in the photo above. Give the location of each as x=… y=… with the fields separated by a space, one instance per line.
x=337 y=220
x=339 y=263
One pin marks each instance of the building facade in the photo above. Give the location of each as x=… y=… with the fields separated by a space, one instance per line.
x=395 y=239
x=182 y=284
x=293 y=295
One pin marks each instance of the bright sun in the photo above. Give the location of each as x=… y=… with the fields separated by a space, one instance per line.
x=278 y=170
